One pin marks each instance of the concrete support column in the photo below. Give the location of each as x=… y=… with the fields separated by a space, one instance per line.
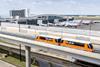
x=28 y=56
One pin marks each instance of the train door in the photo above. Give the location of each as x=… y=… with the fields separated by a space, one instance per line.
x=57 y=41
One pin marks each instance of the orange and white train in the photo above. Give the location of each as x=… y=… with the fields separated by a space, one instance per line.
x=66 y=42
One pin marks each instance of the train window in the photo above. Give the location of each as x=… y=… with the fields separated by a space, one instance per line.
x=48 y=38
x=90 y=46
x=76 y=43
x=43 y=38
x=79 y=44
x=70 y=42
x=58 y=40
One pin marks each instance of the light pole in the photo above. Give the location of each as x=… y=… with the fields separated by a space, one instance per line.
x=19 y=27
x=20 y=51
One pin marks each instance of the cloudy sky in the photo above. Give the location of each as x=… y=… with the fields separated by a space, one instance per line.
x=52 y=6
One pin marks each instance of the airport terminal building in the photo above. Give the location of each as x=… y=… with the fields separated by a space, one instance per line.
x=22 y=13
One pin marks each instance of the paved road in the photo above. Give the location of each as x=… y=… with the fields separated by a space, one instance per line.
x=5 y=64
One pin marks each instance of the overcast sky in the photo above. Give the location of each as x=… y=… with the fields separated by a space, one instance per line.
x=83 y=7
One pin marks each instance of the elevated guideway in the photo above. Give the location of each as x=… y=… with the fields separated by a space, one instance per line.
x=64 y=52
x=96 y=46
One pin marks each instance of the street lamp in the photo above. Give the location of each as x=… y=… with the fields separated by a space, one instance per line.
x=20 y=51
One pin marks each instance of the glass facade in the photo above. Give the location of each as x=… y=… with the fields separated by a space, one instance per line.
x=20 y=13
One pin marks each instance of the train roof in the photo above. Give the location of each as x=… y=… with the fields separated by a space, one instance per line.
x=50 y=36
x=76 y=40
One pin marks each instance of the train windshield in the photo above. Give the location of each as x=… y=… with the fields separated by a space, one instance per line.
x=90 y=46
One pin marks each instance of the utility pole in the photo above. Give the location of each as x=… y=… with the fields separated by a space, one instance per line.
x=20 y=51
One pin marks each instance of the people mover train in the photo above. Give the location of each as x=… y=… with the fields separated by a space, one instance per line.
x=66 y=42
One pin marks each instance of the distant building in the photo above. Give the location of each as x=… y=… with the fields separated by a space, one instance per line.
x=18 y=13
x=48 y=17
